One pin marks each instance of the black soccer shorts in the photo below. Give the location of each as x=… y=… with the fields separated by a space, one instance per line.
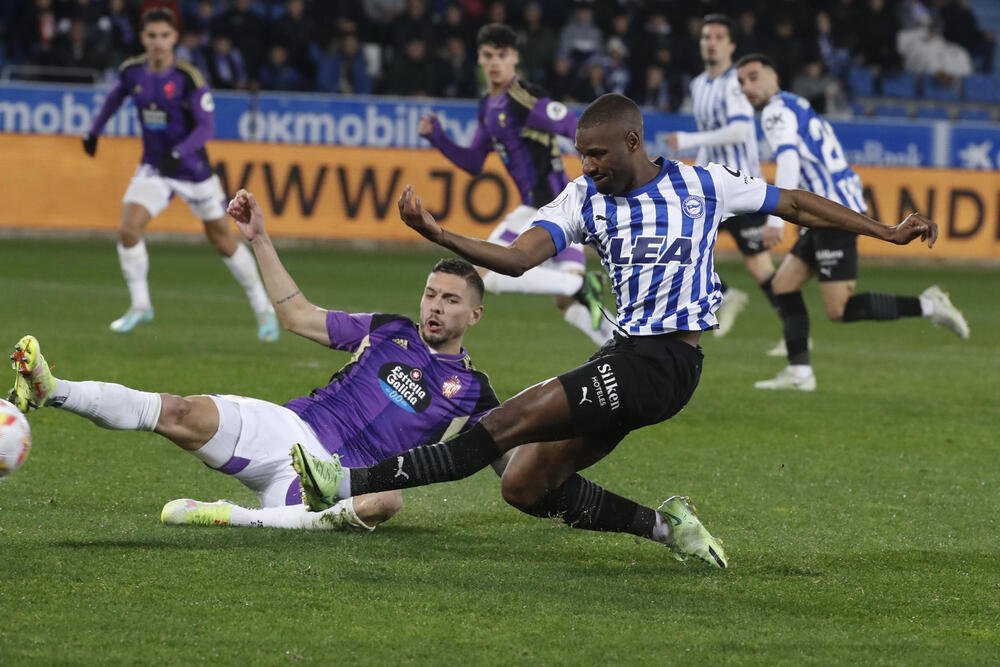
x=832 y=253
x=632 y=382
x=746 y=231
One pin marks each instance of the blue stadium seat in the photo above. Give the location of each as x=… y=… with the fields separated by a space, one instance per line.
x=974 y=114
x=982 y=88
x=933 y=113
x=891 y=110
x=858 y=110
x=859 y=79
x=935 y=91
x=901 y=85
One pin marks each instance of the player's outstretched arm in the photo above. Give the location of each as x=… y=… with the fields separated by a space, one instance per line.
x=291 y=306
x=528 y=251
x=810 y=210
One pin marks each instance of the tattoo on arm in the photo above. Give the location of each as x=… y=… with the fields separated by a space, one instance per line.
x=288 y=298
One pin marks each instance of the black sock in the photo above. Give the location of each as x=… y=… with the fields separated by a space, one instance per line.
x=428 y=464
x=769 y=291
x=795 y=325
x=723 y=287
x=585 y=505
x=878 y=306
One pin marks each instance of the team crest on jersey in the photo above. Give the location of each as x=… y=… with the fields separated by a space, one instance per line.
x=451 y=386
x=402 y=342
x=170 y=89
x=405 y=386
x=502 y=119
x=694 y=206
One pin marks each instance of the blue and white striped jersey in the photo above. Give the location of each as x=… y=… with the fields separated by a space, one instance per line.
x=790 y=123
x=716 y=103
x=656 y=242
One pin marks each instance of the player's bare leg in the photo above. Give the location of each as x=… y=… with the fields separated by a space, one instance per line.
x=240 y=262
x=134 y=261
x=835 y=296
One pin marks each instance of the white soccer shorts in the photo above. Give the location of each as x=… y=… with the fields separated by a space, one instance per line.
x=153 y=192
x=516 y=222
x=264 y=434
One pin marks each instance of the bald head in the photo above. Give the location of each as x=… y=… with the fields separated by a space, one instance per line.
x=612 y=109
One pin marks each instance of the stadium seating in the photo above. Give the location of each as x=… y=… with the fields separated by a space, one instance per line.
x=935 y=90
x=860 y=81
x=902 y=85
x=982 y=88
x=974 y=114
x=933 y=113
x=896 y=110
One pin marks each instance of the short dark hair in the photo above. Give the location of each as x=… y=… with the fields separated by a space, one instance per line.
x=496 y=35
x=719 y=19
x=462 y=269
x=756 y=58
x=159 y=15
x=612 y=107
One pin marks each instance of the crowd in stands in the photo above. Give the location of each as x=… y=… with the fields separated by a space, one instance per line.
x=575 y=49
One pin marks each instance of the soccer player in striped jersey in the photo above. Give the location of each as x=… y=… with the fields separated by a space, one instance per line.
x=176 y=113
x=726 y=135
x=809 y=156
x=519 y=121
x=654 y=225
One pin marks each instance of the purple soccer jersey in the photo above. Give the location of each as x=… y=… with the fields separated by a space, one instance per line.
x=393 y=394
x=521 y=126
x=175 y=109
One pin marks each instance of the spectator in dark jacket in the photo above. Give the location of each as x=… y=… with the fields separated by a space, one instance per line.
x=341 y=68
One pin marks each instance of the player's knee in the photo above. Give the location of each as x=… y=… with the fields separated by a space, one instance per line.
x=129 y=236
x=835 y=311
x=174 y=410
x=519 y=492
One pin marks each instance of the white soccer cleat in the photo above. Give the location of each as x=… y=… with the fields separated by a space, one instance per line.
x=790 y=378
x=780 y=350
x=733 y=303
x=188 y=512
x=943 y=312
x=132 y=318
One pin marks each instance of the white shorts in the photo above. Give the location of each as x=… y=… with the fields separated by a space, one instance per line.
x=153 y=192
x=516 y=222
x=263 y=434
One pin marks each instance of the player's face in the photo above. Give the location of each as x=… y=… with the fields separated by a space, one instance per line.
x=716 y=45
x=159 y=38
x=758 y=83
x=449 y=307
x=498 y=63
x=605 y=156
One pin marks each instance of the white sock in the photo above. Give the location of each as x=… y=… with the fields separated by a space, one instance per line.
x=296 y=517
x=244 y=268
x=108 y=405
x=800 y=370
x=135 y=268
x=539 y=280
x=578 y=315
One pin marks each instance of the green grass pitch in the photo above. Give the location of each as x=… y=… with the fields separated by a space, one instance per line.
x=861 y=520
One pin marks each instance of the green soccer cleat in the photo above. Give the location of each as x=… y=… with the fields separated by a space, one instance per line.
x=690 y=537
x=132 y=318
x=187 y=512
x=34 y=383
x=591 y=294
x=319 y=478
x=267 y=327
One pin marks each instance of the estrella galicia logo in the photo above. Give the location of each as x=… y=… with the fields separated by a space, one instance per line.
x=694 y=206
x=405 y=386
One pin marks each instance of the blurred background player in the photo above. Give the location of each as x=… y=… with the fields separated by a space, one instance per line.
x=810 y=157
x=726 y=135
x=405 y=381
x=519 y=122
x=176 y=113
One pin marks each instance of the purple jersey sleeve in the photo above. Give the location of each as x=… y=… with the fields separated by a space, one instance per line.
x=202 y=108
x=111 y=104
x=347 y=330
x=550 y=116
x=469 y=159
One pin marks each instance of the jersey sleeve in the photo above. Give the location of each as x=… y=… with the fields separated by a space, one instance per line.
x=562 y=218
x=738 y=192
x=487 y=399
x=781 y=128
x=112 y=102
x=202 y=108
x=347 y=330
x=737 y=105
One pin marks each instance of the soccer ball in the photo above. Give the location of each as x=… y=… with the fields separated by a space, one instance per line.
x=15 y=438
